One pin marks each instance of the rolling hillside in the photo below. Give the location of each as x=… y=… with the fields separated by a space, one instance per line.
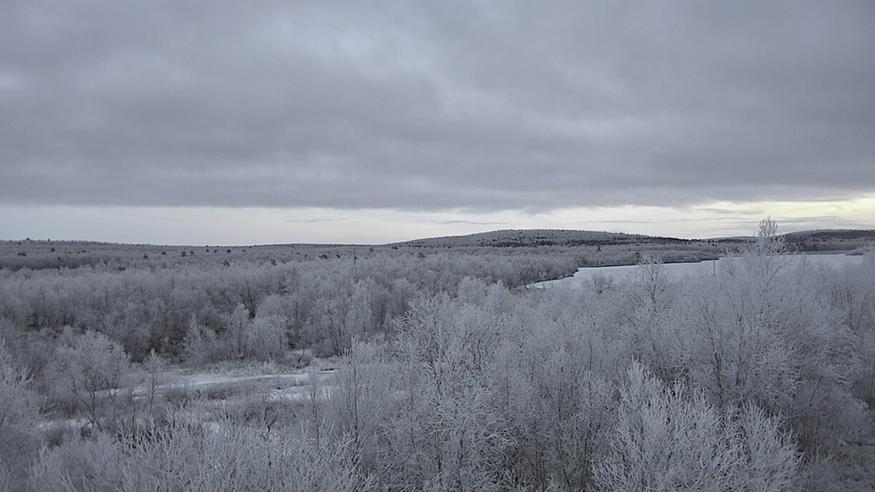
x=537 y=237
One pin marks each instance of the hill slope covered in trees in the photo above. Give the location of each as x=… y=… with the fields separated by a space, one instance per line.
x=538 y=237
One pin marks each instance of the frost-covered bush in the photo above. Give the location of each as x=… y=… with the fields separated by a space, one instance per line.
x=651 y=331
x=363 y=400
x=18 y=413
x=179 y=456
x=557 y=415
x=202 y=345
x=441 y=431
x=547 y=383
x=667 y=439
x=85 y=374
x=471 y=290
x=265 y=338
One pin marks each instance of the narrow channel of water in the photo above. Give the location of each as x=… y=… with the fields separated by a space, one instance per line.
x=584 y=275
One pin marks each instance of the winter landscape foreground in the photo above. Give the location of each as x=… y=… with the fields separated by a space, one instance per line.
x=434 y=365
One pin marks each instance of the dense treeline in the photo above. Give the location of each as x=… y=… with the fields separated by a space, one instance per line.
x=316 y=305
x=614 y=249
x=759 y=377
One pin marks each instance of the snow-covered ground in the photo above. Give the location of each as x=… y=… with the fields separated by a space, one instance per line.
x=197 y=381
x=280 y=386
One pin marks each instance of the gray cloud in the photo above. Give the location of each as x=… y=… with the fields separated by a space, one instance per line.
x=316 y=220
x=470 y=106
x=469 y=222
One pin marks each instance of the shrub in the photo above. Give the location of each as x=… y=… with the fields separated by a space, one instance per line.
x=666 y=440
x=200 y=344
x=265 y=339
x=18 y=410
x=86 y=373
x=179 y=456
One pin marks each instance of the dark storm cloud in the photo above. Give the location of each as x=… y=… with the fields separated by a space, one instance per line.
x=422 y=106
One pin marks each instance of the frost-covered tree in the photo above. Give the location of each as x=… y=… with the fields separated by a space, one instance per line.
x=201 y=344
x=363 y=400
x=445 y=434
x=652 y=330
x=667 y=439
x=18 y=413
x=152 y=368
x=761 y=333
x=185 y=456
x=86 y=374
x=265 y=338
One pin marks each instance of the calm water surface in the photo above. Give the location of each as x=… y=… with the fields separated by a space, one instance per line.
x=583 y=276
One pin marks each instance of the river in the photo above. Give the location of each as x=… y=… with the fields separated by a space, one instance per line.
x=583 y=276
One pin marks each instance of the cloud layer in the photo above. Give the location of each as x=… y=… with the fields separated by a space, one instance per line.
x=425 y=106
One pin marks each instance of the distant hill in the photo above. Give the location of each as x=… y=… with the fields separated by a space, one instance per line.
x=586 y=248
x=802 y=241
x=825 y=240
x=537 y=237
x=831 y=234
x=831 y=240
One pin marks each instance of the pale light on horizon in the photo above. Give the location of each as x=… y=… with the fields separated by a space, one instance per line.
x=250 y=225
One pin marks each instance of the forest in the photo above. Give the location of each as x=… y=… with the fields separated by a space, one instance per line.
x=408 y=367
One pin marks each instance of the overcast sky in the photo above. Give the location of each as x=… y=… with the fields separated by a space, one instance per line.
x=248 y=122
